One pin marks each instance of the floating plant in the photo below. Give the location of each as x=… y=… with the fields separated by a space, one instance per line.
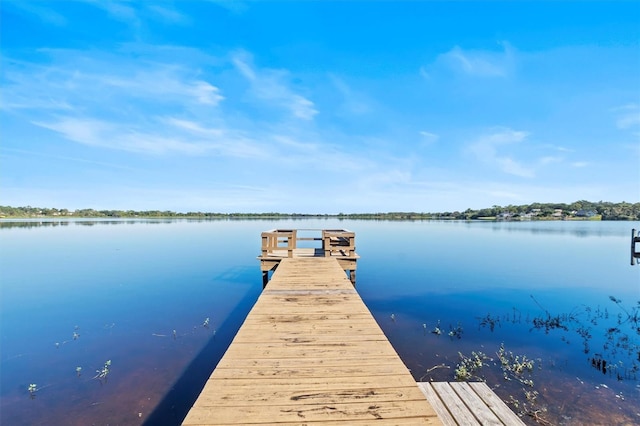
x=104 y=372
x=455 y=332
x=469 y=366
x=489 y=321
x=437 y=330
x=33 y=388
x=517 y=367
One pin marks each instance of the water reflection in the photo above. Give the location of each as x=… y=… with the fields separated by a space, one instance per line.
x=581 y=229
x=36 y=223
x=438 y=289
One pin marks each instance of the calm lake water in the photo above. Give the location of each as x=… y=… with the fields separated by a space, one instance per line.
x=77 y=294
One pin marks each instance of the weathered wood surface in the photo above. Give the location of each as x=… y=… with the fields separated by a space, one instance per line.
x=461 y=403
x=310 y=352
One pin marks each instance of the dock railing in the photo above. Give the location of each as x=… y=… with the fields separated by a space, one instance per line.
x=338 y=242
x=284 y=243
x=278 y=244
x=278 y=240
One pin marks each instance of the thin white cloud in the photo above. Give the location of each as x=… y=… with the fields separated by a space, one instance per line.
x=168 y=15
x=511 y=166
x=76 y=80
x=270 y=86
x=428 y=137
x=580 y=164
x=487 y=149
x=353 y=103
x=627 y=116
x=45 y=14
x=205 y=93
x=127 y=137
x=550 y=160
x=134 y=13
x=163 y=136
x=67 y=158
x=479 y=63
x=235 y=6
x=557 y=148
x=120 y=10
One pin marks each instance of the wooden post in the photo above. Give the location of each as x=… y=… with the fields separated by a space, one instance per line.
x=635 y=255
x=291 y=242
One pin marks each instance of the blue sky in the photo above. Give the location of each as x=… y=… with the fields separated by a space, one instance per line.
x=318 y=107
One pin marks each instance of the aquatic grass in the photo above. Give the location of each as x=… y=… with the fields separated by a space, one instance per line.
x=515 y=367
x=455 y=332
x=103 y=372
x=437 y=331
x=33 y=388
x=469 y=366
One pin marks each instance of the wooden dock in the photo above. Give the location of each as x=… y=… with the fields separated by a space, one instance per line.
x=310 y=352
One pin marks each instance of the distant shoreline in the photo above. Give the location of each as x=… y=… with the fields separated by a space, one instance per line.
x=578 y=210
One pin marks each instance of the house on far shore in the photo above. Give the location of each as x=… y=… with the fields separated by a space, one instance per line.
x=557 y=213
x=585 y=213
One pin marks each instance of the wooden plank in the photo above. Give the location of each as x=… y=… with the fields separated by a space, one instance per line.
x=394 y=422
x=254 y=414
x=308 y=292
x=272 y=350
x=322 y=383
x=475 y=404
x=381 y=369
x=496 y=405
x=320 y=337
x=301 y=394
x=454 y=404
x=306 y=362
x=437 y=404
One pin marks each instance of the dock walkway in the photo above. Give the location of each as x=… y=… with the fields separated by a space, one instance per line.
x=311 y=352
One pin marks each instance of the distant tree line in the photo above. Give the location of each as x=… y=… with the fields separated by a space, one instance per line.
x=582 y=209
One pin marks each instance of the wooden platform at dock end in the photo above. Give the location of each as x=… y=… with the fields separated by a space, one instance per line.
x=310 y=352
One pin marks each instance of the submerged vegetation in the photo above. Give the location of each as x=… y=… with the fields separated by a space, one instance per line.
x=103 y=373
x=578 y=210
x=610 y=343
x=33 y=388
